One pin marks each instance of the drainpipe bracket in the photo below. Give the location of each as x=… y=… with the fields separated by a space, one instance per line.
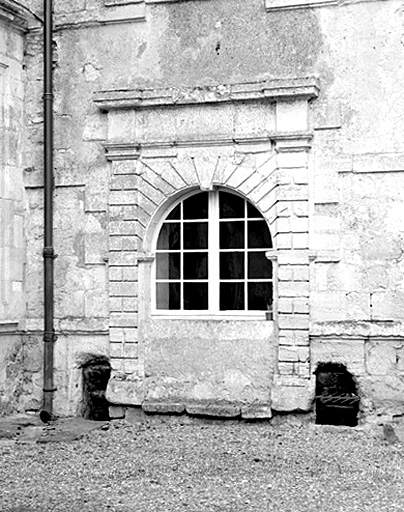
x=49 y=337
x=48 y=252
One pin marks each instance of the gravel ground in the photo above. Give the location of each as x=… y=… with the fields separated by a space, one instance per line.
x=226 y=467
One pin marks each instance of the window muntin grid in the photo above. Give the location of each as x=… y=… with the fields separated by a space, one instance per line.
x=210 y=257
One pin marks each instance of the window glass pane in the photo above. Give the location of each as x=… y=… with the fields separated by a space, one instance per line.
x=168 y=265
x=168 y=295
x=195 y=235
x=231 y=265
x=195 y=265
x=258 y=235
x=231 y=296
x=231 y=206
x=175 y=214
x=232 y=235
x=196 y=207
x=252 y=212
x=170 y=236
x=195 y=296
x=259 y=296
x=258 y=266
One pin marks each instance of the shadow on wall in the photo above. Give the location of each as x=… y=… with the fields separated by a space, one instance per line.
x=337 y=400
x=96 y=373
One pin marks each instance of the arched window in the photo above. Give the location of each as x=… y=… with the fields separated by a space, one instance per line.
x=210 y=257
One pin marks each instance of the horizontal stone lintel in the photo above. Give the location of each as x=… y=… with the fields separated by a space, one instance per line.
x=285 y=143
x=255 y=411
x=272 y=90
x=215 y=410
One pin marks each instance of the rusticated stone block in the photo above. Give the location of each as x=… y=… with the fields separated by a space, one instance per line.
x=288 y=354
x=287 y=398
x=217 y=410
x=381 y=357
x=300 y=241
x=297 y=321
x=285 y=305
x=294 y=338
x=293 y=354
x=124 y=389
x=286 y=368
x=294 y=289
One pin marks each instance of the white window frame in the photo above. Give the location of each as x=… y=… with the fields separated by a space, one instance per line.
x=213 y=270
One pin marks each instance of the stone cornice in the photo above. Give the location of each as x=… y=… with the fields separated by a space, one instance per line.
x=272 y=90
x=132 y=151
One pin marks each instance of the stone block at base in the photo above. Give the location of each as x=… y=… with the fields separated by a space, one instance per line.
x=125 y=389
x=116 y=412
x=292 y=398
x=163 y=408
x=256 y=412
x=135 y=415
x=219 y=411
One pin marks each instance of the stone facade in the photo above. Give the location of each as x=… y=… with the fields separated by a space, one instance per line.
x=16 y=379
x=293 y=105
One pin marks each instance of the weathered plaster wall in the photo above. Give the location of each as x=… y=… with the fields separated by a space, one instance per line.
x=357 y=222
x=358 y=166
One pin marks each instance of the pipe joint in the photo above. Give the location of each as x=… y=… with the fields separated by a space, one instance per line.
x=49 y=337
x=49 y=252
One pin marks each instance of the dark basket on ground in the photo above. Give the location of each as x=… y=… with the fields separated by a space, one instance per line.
x=337 y=410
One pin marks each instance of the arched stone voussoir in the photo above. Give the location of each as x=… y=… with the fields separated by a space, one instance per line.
x=160 y=213
x=163 y=174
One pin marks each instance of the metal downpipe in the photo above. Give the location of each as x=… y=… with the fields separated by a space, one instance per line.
x=49 y=336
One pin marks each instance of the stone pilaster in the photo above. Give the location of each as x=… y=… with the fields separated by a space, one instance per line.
x=292 y=385
x=125 y=385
